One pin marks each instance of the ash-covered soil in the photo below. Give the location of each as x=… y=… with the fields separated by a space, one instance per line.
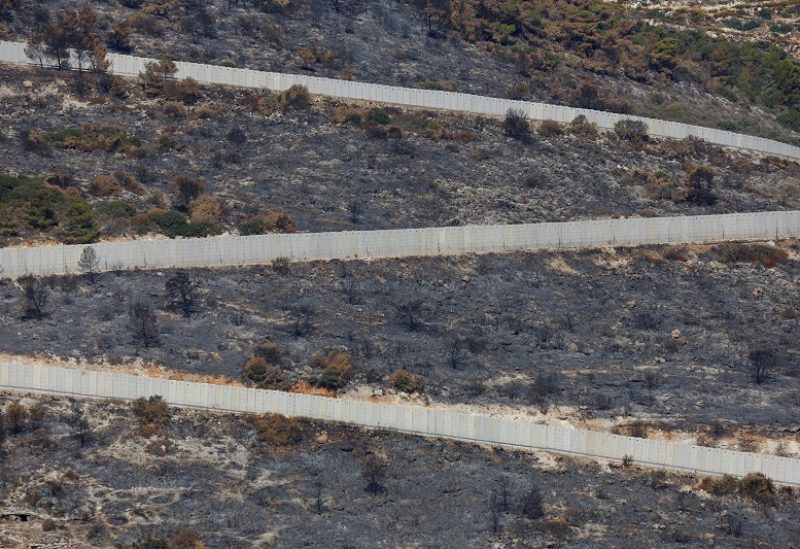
x=83 y=474
x=330 y=176
x=610 y=333
x=386 y=42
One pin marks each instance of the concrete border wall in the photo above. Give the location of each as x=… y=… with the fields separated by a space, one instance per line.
x=262 y=249
x=417 y=420
x=128 y=65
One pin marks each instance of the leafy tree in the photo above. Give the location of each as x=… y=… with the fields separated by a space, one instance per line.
x=79 y=226
x=89 y=263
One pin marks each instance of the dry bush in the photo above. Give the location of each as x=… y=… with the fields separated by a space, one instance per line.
x=558 y=528
x=550 y=128
x=516 y=126
x=295 y=98
x=631 y=130
x=269 y=351
x=661 y=186
x=16 y=418
x=187 y=188
x=151 y=413
x=676 y=253
x=173 y=109
x=346 y=115
x=113 y=184
x=281 y=265
x=401 y=380
x=279 y=431
x=186 y=538
x=208 y=110
x=271 y=222
x=206 y=209
x=757 y=254
x=337 y=366
x=59 y=180
x=105 y=185
x=700 y=186
x=759 y=488
x=754 y=486
x=581 y=127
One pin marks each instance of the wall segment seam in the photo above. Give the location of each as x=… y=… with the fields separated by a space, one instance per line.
x=474 y=428
x=13 y=52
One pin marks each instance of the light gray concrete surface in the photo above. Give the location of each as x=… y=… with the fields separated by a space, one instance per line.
x=128 y=65
x=418 y=420
x=262 y=249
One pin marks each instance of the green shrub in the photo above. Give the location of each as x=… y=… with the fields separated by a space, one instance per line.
x=173 y=223
x=337 y=366
x=271 y=222
x=79 y=226
x=28 y=202
x=8 y=224
x=116 y=209
x=378 y=117
x=403 y=381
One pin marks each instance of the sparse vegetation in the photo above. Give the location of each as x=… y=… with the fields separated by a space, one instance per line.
x=152 y=414
x=517 y=127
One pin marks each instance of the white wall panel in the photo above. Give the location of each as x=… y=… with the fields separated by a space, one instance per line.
x=13 y=52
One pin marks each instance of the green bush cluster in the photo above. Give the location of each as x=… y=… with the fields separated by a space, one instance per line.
x=603 y=38
x=29 y=205
x=173 y=223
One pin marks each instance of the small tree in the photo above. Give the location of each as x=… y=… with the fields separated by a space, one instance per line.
x=187 y=189
x=516 y=126
x=351 y=287
x=410 y=313
x=157 y=74
x=181 y=292
x=143 y=325
x=762 y=363
x=373 y=469
x=455 y=356
x=89 y=263
x=700 y=186
x=35 y=298
x=16 y=418
x=532 y=504
x=82 y=430
x=35 y=48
